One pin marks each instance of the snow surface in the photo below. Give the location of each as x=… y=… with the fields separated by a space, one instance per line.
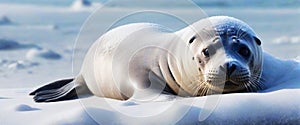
x=37 y=43
x=278 y=107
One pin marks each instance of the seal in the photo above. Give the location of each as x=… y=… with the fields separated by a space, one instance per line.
x=215 y=55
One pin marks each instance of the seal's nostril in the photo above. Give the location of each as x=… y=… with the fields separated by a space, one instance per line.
x=231 y=67
x=222 y=68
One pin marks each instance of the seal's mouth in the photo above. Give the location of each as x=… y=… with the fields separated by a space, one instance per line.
x=230 y=83
x=227 y=83
x=226 y=86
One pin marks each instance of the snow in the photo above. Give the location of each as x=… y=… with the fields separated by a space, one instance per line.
x=79 y=5
x=278 y=107
x=38 y=48
x=20 y=64
x=287 y=40
x=32 y=54
x=23 y=108
x=6 y=44
x=4 y=20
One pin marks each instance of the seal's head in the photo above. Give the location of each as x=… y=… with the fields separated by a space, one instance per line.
x=228 y=56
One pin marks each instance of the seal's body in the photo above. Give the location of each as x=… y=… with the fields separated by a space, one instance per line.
x=212 y=56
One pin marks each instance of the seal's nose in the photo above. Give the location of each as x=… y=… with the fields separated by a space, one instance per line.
x=231 y=67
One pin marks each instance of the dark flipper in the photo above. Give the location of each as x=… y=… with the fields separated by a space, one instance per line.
x=53 y=85
x=59 y=91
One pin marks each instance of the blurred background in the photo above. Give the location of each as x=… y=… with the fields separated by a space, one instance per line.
x=38 y=37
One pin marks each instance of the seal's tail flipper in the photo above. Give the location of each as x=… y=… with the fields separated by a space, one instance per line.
x=53 y=85
x=58 y=91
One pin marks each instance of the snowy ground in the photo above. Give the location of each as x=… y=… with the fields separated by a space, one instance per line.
x=37 y=43
x=280 y=107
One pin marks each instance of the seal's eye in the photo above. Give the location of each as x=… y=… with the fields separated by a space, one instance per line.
x=205 y=52
x=244 y=51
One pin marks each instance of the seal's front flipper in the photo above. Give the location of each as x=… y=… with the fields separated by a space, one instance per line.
x=59 y=91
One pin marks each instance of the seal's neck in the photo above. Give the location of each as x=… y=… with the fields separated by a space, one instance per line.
x=276 y=71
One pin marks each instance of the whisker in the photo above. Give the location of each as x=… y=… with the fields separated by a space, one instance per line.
x=257 y=80
x=210 y=33
x=249 y=86
x=242 y=34
x=255 y=85
x=204 y=91
x=245 y=85
x=238 y=32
